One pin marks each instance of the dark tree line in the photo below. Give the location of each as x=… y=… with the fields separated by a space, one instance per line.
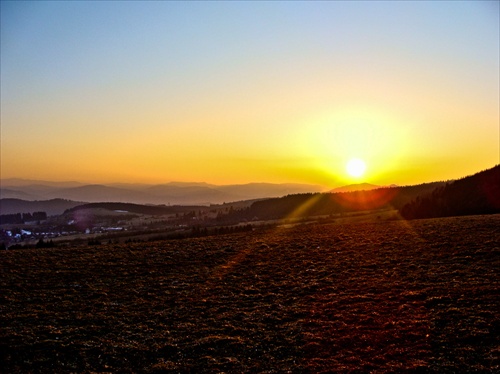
x=21 y=218
x=137 y=208
x=476 y=194
x=45 y=244
x=40 y=244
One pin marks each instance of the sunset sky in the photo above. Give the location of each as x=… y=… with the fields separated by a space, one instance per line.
x=238 y=92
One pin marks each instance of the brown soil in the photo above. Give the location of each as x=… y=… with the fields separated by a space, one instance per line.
x=418 y=296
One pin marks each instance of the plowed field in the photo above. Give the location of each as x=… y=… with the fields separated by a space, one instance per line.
x=418 y=296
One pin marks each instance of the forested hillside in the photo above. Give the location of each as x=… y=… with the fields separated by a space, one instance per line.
x=476 y=194
x=303 y=205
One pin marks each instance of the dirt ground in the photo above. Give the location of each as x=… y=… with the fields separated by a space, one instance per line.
x=419 y=296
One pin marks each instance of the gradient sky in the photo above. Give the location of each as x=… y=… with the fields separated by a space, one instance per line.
x=236 y=92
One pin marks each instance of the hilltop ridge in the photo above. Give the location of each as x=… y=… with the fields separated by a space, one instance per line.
x=360 y=187
x=474 y=194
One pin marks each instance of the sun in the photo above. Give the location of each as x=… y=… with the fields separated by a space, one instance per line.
x=356 y=167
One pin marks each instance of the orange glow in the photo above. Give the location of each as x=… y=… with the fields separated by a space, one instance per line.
x=222 y=102
x=366 y=200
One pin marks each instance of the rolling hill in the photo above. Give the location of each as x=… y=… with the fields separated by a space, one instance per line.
x=51 y=207
x=316 y=204
x=475 y=194
x=356 y=187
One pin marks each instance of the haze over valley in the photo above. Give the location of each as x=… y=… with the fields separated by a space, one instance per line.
x=250 y=186
x=174 y=193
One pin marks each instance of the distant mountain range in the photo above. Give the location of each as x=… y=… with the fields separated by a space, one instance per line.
x=359 y=187
x=174 y=193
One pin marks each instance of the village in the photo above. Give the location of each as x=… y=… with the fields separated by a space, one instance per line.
x=95 y=225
